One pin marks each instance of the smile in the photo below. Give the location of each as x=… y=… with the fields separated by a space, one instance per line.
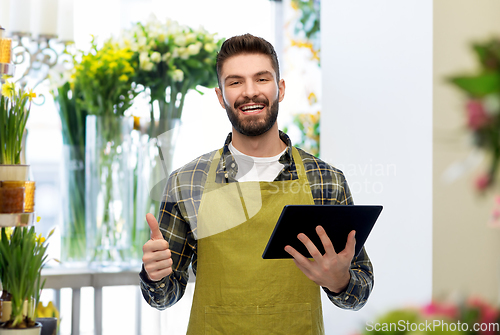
x=252 y=109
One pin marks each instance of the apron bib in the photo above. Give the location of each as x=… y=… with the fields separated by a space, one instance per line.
x=238 y=292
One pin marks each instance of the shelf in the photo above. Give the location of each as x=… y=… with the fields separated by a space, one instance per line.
x=17 y=219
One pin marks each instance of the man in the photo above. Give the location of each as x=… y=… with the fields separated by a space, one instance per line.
x=220 y=209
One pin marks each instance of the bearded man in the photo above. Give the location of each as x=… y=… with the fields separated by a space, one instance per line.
x=219 y=210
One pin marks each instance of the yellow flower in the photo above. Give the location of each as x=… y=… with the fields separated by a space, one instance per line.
x=8 y=232
x=40 y=239
x=123 y=77
x=47 y=312
x=8 y=89
x=30 y=95
x=312 y=98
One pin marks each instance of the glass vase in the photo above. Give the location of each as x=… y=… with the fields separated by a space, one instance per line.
x=73 y=232
x=154 y=165
x=109 y=190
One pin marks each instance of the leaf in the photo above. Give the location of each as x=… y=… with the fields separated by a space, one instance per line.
x=478 y=86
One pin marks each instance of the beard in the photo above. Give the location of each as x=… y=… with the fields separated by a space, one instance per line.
x=253 y=125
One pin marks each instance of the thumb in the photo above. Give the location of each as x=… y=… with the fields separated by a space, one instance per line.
x=153 y=226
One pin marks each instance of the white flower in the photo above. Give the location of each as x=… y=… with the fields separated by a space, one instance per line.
x=142 y=41
x=175 y=53
x=58 y=76
x=184 y=53
x=190 y=38
x=178 y=75
x=166 y=57
x=146 y=65
x=180 y=40
x=194 y=49
x=143 y=57
x=209 y=47
x=134 y=47
x=156 y=57
x=162 y=37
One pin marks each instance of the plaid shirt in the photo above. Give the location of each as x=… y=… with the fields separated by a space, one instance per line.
x=181 y=202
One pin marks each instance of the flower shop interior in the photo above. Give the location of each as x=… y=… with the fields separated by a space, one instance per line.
x=408 y=93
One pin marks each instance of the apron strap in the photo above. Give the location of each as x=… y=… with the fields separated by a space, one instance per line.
x=299 y=165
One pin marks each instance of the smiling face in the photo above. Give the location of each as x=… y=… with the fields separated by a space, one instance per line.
x=250 y=94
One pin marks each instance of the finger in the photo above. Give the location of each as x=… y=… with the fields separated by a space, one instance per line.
x=351 y=243
x=159 y=275
x=153 y=226
x=158 y=266
x=154 y=246
x=310 y=247
x=302 y=262
x=327 y=243
x=299 y=259
x=162 y=255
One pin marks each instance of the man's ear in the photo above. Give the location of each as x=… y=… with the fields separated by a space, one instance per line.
x=220 y=97
x=281 y=88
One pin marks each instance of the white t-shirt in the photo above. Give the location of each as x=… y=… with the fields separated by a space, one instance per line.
x=256 y=168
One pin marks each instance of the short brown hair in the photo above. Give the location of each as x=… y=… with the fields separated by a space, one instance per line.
x=246 y=44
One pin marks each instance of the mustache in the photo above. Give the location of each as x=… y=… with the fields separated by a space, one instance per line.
x=263 y=101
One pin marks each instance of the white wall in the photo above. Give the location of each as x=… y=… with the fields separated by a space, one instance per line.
x=377 y=126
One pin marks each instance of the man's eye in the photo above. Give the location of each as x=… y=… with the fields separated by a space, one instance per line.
x=234 y=83
x=262 y=79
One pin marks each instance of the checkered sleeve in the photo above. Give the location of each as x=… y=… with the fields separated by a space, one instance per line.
x=166 y=292
x=360 y=286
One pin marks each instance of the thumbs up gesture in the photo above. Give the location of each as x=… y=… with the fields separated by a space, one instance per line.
x=156 y=257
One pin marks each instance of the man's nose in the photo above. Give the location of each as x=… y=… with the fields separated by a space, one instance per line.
x=251 y=90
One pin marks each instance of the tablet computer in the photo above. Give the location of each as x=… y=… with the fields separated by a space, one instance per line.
x=337 y=220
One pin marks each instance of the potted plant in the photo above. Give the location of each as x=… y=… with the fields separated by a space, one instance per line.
x=15 y=106
x=22 y=257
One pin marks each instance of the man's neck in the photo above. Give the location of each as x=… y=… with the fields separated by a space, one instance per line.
x=268 y=144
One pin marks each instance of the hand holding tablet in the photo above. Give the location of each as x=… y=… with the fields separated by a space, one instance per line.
x=326 y=234
x=337 y=221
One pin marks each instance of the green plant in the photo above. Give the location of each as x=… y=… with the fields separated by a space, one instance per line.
x=15 y=106
x=22 y=257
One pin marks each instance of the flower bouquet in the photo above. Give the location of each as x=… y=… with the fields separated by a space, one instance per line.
x=103 y=80
x=172 y=59
x=22 y=257
x=482 y=107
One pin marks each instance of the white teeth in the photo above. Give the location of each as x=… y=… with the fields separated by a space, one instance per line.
x=252 y=107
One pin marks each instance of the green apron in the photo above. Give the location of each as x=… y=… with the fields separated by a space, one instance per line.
x=238 y=292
